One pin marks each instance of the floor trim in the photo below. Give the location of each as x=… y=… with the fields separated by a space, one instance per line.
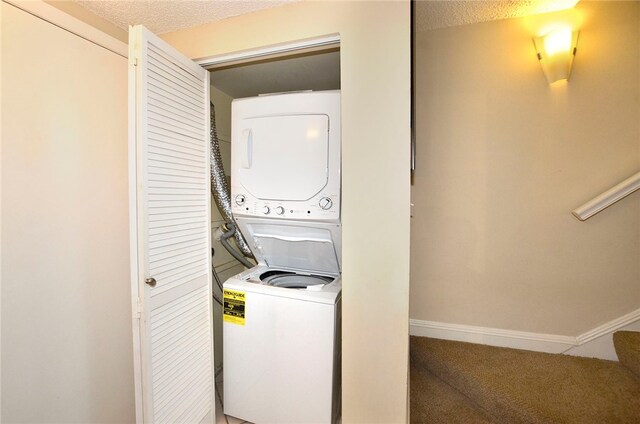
x=590 y=343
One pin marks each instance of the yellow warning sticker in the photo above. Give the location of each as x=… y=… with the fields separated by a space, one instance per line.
x=234 y=307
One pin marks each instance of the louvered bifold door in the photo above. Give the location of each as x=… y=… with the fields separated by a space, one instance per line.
x=171 y=245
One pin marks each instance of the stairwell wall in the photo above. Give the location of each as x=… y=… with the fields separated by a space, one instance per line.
x=503 y=158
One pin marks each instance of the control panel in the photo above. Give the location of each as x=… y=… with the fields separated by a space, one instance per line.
x=322 y=207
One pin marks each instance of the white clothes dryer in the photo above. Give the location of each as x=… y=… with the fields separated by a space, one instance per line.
x=285 y=156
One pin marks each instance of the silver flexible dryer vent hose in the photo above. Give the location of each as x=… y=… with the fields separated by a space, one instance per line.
x=220 y=188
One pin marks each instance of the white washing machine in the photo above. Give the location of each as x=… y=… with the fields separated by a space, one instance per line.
x=281 y=328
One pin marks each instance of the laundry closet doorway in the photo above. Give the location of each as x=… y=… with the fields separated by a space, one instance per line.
x=171 y=215
x=312 y=64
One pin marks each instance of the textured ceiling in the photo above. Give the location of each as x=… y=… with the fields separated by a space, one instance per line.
x=162 y=16
x=440 y=14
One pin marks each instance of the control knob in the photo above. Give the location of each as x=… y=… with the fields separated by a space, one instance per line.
x=325 y=203
x=266 y=210
x=240 y=199
x=280 y=210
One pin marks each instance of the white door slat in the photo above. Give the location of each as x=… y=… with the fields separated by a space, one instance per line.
x=177 y=185
x=163 y=335
x=157 y=170
x=175 y=101
x=190 y=72
x=179 y=393
x=177 y=233
x=174 y=119
x=193 y=415
x=184 y=261
x=174 y=153
x=154 y=172
x=177 y=372
x=177 y=192
x=157 y=167
x=157 y=84
x=174 y=262
x=171 y=136
x=164 y=394
x=190 y=273
x=170 y=255
x=164 y=213
x=170 y=209
x=171 y=233
x=176 y=241
x=169 y=198
x=181 y=74
x=177 y=87
x=157 y=64
x=176 y=279
x=171 y=391
x=177 y=246
x=171 y=142
x=178 y=261
x=174 y=150
x=186 y=297
x=169 y=73
x=176 y=218
x=199 y=415
x=171 y=276
x=182 y=337
x=175 y=108
x=172 y=369
x=158 y=159
x=158 y=300
x=161 y=122
x=158 y=205
x=187 y=395
x=187 y=410
x=176 y=282
x=164 y=227
x=178 y=179
x=167 y=345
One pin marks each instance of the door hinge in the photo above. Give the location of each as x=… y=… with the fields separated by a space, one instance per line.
x=133 y=56
x=137 y=313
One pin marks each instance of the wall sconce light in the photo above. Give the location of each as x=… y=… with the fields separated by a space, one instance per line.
x=556 y=50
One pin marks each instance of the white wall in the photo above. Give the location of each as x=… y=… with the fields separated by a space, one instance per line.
x=375 y=81
x=66 y=314
x=503 y=158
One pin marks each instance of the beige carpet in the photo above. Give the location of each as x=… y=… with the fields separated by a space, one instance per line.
x=515 y=386
x=627 y=345
x=435 y=402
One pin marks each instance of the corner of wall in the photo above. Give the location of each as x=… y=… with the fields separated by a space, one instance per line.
x=85 y=15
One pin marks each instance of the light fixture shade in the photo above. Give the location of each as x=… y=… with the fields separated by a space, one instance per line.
x=555 y=51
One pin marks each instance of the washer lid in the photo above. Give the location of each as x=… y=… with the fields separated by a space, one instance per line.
x=312 y=247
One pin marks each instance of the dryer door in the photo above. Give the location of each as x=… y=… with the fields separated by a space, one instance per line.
x=284 y=157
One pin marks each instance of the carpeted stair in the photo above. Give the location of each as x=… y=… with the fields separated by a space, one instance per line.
x=455 y=382
x=627 y=344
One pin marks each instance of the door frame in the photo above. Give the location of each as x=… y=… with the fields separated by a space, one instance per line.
x=272 y=51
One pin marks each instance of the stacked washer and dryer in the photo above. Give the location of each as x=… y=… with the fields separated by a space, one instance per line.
x=281 y=329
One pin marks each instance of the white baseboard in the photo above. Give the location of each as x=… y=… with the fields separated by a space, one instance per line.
x=596 y=343
x=492 y=336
